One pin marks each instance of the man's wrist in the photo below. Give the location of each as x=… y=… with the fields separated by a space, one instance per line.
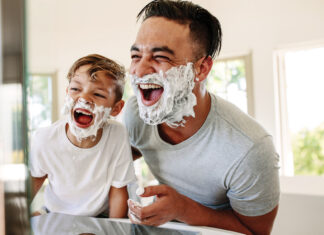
x=185 y=208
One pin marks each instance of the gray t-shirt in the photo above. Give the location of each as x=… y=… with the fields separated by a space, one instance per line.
x=229 y=162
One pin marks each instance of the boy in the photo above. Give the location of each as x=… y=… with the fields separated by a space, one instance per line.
x=85 y=156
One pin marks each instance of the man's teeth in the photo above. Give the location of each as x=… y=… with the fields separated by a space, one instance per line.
x=83 y=112
x=149 y=86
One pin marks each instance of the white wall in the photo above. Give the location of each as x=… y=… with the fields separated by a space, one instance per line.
x=60 y=31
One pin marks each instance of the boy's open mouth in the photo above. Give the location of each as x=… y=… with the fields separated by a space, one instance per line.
x=83 y=118
x=151 y=93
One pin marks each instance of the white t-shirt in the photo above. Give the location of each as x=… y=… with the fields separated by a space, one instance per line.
x=80 y=178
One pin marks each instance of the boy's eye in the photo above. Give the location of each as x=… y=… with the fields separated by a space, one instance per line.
x=74 y=89
x=99 y=95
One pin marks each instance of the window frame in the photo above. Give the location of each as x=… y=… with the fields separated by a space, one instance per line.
x=290 y=183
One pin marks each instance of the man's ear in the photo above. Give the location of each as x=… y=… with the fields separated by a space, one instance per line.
x=117 y=108
x=202 y=68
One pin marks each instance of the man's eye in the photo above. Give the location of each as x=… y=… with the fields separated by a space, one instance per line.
x=74 y=89
x=135 y=57
x=161 y=58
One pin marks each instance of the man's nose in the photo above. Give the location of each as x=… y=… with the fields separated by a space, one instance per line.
x=142 y=68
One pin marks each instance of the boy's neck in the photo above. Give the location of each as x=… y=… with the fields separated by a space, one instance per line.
x=85 y=143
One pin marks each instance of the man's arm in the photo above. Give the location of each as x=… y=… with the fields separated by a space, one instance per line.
x=118 y=202
x=170 y=205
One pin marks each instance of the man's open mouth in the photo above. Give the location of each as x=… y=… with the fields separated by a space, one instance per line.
x=83 y=118
x=151 y=93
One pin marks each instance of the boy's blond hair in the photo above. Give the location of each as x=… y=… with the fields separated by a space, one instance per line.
x=101 y=63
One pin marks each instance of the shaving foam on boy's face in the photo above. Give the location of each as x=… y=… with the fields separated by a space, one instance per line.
x=84 y=118
x=166 y=96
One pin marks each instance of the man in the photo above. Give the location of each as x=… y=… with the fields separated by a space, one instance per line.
x=216 y=166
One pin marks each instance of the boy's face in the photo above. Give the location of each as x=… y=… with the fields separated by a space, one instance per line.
x=99 y=92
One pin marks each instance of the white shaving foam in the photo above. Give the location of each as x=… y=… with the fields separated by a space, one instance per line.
x=177 y=100
x=101 y=116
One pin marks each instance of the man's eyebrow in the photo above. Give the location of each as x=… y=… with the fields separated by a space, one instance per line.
x=163 y=49
x=134 y=48
x=155 y=49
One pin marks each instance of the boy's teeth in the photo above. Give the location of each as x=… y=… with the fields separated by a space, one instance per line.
x=85 y=113
x=149 y=86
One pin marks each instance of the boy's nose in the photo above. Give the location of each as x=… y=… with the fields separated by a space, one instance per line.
x=85 y=100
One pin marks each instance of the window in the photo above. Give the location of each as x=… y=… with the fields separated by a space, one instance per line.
x=231 y=79
x=301 y=97
x=11 y=142
x=40 y=100
x=41 y=113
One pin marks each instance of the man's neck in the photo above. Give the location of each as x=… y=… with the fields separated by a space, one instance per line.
x=193 y=124
x=86 y=142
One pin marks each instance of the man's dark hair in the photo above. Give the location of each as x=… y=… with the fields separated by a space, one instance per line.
x=205 y=28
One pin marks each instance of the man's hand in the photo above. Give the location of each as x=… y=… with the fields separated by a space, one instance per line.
x=169 y=205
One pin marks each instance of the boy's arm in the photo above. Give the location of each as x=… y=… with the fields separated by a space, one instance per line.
x=37 y=184
x=136 y=153
x=118 y=202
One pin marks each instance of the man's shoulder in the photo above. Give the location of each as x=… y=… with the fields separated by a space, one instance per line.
x=131 y=116
x=131 y=105
x=235 y=119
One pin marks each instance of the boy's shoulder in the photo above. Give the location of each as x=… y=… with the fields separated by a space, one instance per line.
x=116 y=128
x=48 y=132
x=115 y=125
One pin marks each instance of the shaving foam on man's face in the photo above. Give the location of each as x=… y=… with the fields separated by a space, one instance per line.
x=83 y=119
x=166 y=96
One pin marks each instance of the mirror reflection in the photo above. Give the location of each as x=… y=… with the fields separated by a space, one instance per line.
x=269 y=67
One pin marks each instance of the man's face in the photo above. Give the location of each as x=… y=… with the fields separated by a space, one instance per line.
x=160 y=45
x=163 y=73
x=98 y=92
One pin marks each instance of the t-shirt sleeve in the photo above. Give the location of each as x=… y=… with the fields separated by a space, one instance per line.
x=124 y=170
x=35 y=165
x=254 y=187
x=132 y=121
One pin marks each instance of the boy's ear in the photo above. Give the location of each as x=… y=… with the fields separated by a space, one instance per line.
x=117 y=108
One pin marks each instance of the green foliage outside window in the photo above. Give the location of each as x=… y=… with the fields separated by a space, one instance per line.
x=227 y=79
x=39 y=92
x=308 y=150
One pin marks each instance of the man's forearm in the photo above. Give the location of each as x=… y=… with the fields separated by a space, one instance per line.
x=197 y=214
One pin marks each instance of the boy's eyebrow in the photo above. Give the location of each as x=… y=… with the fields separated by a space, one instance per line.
x=75 y=81
x=155 y=49
x=101 y=89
